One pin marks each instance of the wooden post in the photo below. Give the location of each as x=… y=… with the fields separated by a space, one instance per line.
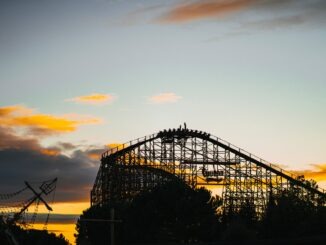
x=112 y=226
x=112 y=222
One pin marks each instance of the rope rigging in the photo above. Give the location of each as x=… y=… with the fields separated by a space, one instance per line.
x=10 y=195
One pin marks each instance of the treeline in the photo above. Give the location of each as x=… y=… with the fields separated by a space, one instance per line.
x=28 y=236
x=174 y=213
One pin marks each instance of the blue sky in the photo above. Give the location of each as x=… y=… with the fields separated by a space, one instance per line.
x=252 y=73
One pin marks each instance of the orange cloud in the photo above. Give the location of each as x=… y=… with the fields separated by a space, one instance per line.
x=318 y=174
x=203 y=9
x=4 y=111
x=21 y=116
x=50 y=152
x=114 y=145
x=59 y=124
x=8 y=110
x=95 y=99
x=164 y=98
x=94 y=156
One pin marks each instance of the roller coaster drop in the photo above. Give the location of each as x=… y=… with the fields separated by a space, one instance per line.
x=197 y=158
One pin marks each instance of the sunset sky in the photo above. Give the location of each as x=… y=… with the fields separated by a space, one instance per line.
x=79 y=75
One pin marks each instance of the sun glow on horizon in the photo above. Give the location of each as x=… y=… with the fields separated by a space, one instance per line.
x=67 y=207
x=67 y=230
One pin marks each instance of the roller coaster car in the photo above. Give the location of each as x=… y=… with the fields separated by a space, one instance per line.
x=168 y=136
x=167 y=140
x=210 y=179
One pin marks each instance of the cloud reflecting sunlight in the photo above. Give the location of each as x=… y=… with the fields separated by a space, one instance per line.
x=164 y=98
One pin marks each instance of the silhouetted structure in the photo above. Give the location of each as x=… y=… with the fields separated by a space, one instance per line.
x=197 y=158
x=13 y=214
x=12 y=211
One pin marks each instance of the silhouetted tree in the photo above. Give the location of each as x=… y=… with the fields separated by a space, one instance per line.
x=30 y=236
x=98 y=233
x=173 y=212
x=292 y=213
x=241 y=223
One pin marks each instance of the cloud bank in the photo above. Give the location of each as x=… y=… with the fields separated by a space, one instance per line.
x=19 y=116
x=22 y=156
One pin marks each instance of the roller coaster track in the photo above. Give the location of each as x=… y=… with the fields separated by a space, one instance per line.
x=192 y=155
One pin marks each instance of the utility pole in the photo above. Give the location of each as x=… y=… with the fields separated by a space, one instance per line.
x=112 y=222
x=112 y=225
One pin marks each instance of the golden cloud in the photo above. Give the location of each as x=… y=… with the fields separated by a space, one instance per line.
x=114 y=145
x=4 y=111
x=50 y=152
x=21 y=116
x=203 y=9
x=7 y=110
x=317 y=174
x=94 y=99
x=94 y=156
x=164 y=98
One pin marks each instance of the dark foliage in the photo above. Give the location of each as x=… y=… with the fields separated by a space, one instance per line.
x=240 y=224
x=172 y=212
x=292 y=214
x=99 y=232
x=29 y=237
